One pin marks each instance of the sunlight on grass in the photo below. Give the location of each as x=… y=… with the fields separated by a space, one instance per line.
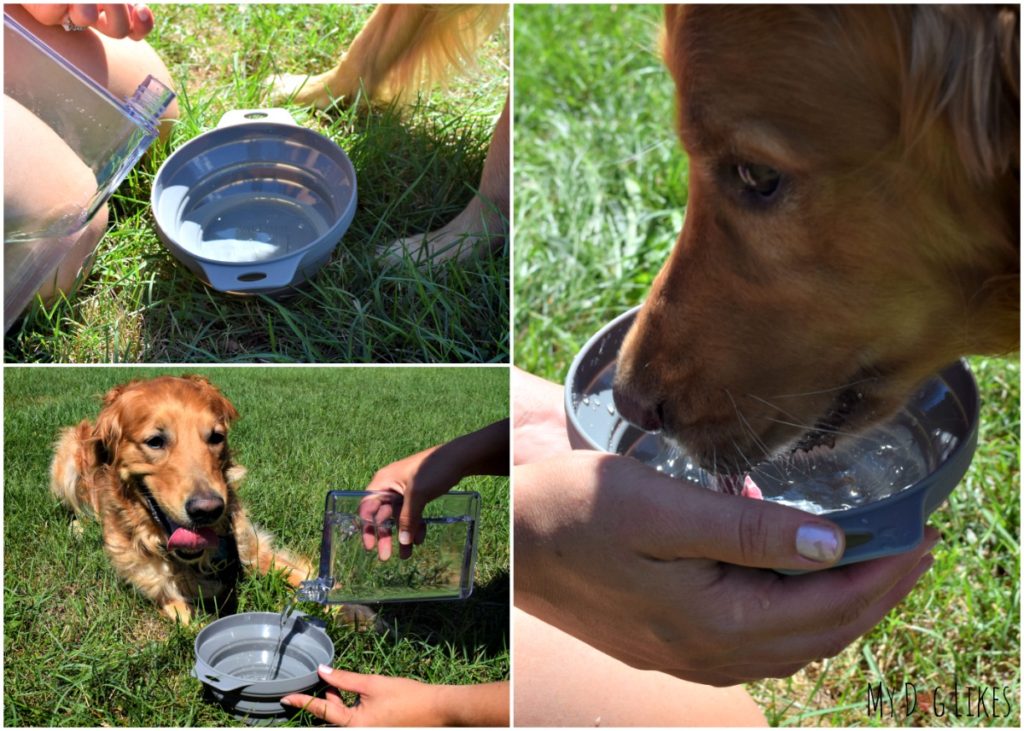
x=417 y=168
x=82 y=648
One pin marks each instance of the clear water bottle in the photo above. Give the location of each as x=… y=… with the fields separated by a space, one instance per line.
x=359 y=552
x=109 y=135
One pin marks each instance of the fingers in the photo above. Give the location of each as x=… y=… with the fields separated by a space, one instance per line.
x=114 y=21
x=49 y=14
x=142 y=23
x=330 y=709
x=83 y=15
x=781 y=606
x=687 y=521
x=345 y=679
x=411 y=528
x=381 y=527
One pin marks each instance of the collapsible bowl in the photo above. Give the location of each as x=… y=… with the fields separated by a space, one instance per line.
x=257 y=205
x=235 y=656
x=879 y=488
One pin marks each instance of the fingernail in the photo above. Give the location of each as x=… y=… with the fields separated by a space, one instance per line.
x=817 y=542
x=286 y=701
x=325 y=669
x=405 y=538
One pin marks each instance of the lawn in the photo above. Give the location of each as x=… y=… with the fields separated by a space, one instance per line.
x=416 y=169
x=82 y=648
x=601 y=192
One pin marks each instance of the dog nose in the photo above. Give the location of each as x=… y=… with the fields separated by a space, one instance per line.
x=204 y=508
x=632 y=409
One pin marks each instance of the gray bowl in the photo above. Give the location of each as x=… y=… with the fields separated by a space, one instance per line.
x=880 y=490
x=257 y=205
x=234 y=658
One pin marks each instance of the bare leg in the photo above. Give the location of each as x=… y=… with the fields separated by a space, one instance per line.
x=482 y=227
x=561 y=681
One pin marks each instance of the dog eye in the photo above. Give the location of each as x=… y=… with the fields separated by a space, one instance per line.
x=759 y=179
x=156 y=442
x=215 y=437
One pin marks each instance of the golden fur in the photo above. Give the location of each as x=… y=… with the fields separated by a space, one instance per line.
x=889 y=248
x=167 y=436
x=401 y=49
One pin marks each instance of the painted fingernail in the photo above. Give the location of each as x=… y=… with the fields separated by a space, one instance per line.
x=405 y=538
x=817 y=542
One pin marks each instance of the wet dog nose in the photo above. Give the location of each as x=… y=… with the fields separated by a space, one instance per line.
x=204 y=508
x=632 y=409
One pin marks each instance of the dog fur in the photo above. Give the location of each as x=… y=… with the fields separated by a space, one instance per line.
x=403 y=48
x=886 y=247
x=166 y=437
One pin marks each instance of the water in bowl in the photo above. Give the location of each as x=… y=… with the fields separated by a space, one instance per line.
x=861 y=469
x=251 y=229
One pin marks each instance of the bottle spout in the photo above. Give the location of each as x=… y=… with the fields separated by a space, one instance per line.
x=313 y=591
x=149 y=101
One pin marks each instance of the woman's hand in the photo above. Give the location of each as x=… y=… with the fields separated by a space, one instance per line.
x=116 y=21
x=385 y=701
x=673 y=577
x=406 y=486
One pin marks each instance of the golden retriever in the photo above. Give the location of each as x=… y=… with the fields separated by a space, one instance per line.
x=852 y=224
x=403 y=48
x=156 y=471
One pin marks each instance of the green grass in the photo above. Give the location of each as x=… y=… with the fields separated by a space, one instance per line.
x=416 y=170
x=82 y=648
x=601 y=191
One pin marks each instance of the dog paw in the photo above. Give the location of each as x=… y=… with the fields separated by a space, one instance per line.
x=300 y=89
x=436 y=247
x=358 y=616
x=177 y=611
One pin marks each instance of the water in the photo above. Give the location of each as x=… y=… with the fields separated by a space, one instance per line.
x=274 y=667
x=236 y=228
x=861 y=469
x=353 y=571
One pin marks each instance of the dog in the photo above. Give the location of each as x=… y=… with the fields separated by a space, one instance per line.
x=852 y=223
x=403 y=48
x=156 y=471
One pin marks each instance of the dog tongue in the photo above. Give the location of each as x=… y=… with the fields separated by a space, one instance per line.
x=188 y=540
x=750 y=489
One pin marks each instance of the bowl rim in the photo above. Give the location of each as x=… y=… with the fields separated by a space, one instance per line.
x=263 y=688
x=915 y=490
x=342 y=220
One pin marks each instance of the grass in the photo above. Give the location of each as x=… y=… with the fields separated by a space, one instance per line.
x=82 y=648
x=601 y=191
x=416 y=170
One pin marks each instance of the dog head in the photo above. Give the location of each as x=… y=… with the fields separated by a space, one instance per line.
x=166 y=440
x=851 y=225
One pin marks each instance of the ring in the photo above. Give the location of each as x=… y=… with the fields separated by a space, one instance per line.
x=69 y=26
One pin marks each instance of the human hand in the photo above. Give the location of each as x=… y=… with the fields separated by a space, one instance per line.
x=402 y=489
x=385 y=701
x=667 y=576
x=116 y=21
x=406 y=486
x=538 y=418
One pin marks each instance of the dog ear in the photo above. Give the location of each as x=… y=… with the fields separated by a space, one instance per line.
x=106 y=433
x=962 y=64
x=221 y=406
